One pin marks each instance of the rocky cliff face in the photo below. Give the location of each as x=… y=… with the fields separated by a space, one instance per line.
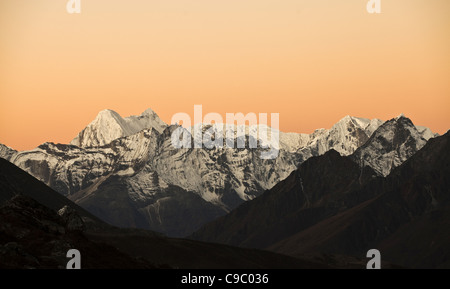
x=392 y=143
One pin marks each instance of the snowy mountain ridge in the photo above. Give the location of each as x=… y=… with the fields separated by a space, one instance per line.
x=391 y=144
x=109 y=125
x=151 y=176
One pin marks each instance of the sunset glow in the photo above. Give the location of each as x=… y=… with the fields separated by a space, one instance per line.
x=311 y=61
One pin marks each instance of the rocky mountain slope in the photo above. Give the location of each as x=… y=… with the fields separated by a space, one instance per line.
x=33 y=235
x=14 y=181
x=392 y=143
x=127 y=171
x=329 y=205
x=320 y=188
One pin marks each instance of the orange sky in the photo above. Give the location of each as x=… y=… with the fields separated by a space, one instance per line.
x=312 y=61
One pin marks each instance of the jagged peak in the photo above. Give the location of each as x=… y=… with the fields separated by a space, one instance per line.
x=400 y=119
x=349 y=117
x=5 y=146
x=345 y=119
x=148 y=111
x=107 y=114
x=109 y=125
x=376 y=120
x=361 y=121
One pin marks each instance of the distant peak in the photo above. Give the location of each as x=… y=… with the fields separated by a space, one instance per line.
x=148 y=111
x=107 y=112
x=354 y=119
x=401 y=116
x=347 y=117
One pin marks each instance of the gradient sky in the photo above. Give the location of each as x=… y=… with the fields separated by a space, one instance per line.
x=312 y=61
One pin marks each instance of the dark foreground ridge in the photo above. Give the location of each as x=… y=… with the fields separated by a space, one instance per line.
x=33 y=235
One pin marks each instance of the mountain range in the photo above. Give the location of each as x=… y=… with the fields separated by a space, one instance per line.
x=126 y=171
x=330 y=205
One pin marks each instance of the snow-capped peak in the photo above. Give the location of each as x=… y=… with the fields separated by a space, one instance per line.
x=109 y=125
x=426 y=132
x=358 y=121
x=345 y=136
x=390 y=145
x=148 y=111
x=107 y=114
x=148 y=168
x=6 y=152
